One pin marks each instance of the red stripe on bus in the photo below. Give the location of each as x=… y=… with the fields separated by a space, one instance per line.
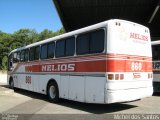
x=115 y=63
x=94 y=66
x=128 y=66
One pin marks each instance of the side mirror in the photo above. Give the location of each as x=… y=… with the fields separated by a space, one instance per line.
x=10 y=64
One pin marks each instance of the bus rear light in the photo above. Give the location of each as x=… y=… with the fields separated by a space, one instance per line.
x=150 y=75
x=121 y=76
x=110 y=76
x=116 y=76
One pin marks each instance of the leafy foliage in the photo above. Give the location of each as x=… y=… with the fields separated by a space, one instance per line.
x=20 y=38
x=4 y=62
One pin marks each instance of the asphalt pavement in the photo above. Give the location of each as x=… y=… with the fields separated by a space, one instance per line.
x=30 y=103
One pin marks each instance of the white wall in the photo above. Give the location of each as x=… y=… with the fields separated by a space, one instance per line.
x=3 y=77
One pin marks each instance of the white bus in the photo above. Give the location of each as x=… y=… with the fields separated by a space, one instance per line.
x=156 y=65
x=104 y=63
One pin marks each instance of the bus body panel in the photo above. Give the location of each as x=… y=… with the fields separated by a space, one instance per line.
x=120 y=85
x=132 y=94
x=95 y=89
x=64 y=85
x=76 y=88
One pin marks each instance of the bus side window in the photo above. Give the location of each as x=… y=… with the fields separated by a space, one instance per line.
x=32 y=54
x=22 y=55
x=37 y=52
x=60 y=48
x=97 y=41
x=50 y=49
x=26 y=55
x=83 y=44
x=15 y=57
x=44 y=51
x=70 y=46
x=65 y=47
x=18 y=56
x=91 y=42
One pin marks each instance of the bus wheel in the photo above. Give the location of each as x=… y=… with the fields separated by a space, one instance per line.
x=53 y=92
x=11 y=84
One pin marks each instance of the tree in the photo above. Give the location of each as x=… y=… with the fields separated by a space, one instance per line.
x=45 y=34
x=21 y=37
x=4 y=63
x=61 y=31
x=4 y=48
x=25 y=36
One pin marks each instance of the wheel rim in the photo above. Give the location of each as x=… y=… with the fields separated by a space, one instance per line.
x=52 y=92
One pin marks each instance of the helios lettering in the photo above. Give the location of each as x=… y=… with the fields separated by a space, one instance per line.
x=50 y=68
x=138 y=36
x=58 y=68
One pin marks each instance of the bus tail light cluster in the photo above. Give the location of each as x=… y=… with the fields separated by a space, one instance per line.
x=150 y=75
x=115 y=76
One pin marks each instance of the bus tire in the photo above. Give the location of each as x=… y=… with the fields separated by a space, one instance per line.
x=53 y=92
x=11 y=83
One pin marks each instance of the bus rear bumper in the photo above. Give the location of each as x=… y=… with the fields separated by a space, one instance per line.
x=114 y=96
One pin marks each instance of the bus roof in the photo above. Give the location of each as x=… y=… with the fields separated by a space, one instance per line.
x=75 y=32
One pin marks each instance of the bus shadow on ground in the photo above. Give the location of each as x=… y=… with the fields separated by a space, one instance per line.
x=96 y=108
x=5 y=86
x=156 y=94
x=87 y=107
